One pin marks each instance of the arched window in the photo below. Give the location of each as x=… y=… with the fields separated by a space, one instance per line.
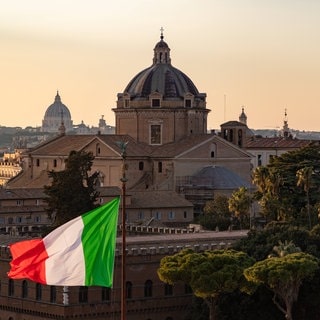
x=231 y=135
x=129 y=290
x=213 y=150
x=98 y=151
x=38 y=291
x=83 y=294
x=240 y=142
x=53 y=294
x=24 y=292
x=148 y=289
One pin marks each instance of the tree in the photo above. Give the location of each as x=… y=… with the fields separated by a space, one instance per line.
x=239 y=203
x=208 y=273
x=283 y=276
x=277 y=189
x=72 y=191
x=283 y=249
x=304 y=176
x=216 y=214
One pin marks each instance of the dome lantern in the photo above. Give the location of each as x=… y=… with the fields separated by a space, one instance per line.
x=161 y=51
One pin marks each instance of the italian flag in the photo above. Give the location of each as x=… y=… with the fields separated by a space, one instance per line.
x=78 y=253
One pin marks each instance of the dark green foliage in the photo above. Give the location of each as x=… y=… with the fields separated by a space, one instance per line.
x=240 y=306
x=216 y=214
x=209 y=273
x=198 y=310
x=259 y=243
x=288 y=187
x=73 y=190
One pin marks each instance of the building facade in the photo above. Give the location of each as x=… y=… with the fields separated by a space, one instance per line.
x=161 y=118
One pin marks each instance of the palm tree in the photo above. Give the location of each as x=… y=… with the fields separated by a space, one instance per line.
x=304 y=176
x=239 y=203
x=260 y=178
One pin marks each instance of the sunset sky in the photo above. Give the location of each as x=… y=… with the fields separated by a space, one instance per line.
x=263 y=55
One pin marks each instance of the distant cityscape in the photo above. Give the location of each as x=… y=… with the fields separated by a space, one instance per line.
x=12 y=138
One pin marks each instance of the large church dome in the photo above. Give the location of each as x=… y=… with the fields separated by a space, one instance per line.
x=161 y=77
x=161 y=104
x=56 y=114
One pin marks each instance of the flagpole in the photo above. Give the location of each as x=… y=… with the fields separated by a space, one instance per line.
x=123 y=261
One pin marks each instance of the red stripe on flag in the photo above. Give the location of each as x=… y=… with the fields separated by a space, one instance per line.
x=28 y=260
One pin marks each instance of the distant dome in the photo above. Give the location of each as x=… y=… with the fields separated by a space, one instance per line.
x=161 y=77
x=58 y=109
x=56 y=114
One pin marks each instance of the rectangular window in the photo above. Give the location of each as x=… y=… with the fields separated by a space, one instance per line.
x=171 y=215
x=155 y=134
x=37 y=219
x=155 y=103
x=259 y=160
x=55 y=163
x=185 y=214
x=158 y=215
x=160 y=167
x=140 y=215
x=38 y=162
x=187 y=103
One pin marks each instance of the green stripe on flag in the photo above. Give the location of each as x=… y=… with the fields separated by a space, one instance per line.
x=99 y=241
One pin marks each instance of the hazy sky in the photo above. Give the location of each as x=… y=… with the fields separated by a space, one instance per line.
x=263 y=55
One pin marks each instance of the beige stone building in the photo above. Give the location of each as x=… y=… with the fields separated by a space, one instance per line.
x=162 y=118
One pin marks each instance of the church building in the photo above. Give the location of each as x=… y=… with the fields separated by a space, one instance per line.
x=162 y=117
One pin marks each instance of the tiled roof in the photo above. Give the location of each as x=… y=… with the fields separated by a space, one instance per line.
x=174 y=149
x=21 y=193
x=62 y=145
x=24 y=180
x=276 y=142
x=233 y=124
x=158 y=199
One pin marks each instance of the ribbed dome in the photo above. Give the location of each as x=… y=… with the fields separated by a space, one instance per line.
x=57 y=109
x=161 y=77
x=57 y=117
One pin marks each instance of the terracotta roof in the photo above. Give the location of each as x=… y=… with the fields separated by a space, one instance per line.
x=233 y=123
x=24 y=180
x=158 y=199
x=21 y=193
x=174 y=149
x=276 y=142
x=62 y=145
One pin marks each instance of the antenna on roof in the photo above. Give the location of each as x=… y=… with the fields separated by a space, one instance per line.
x=224 y=107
